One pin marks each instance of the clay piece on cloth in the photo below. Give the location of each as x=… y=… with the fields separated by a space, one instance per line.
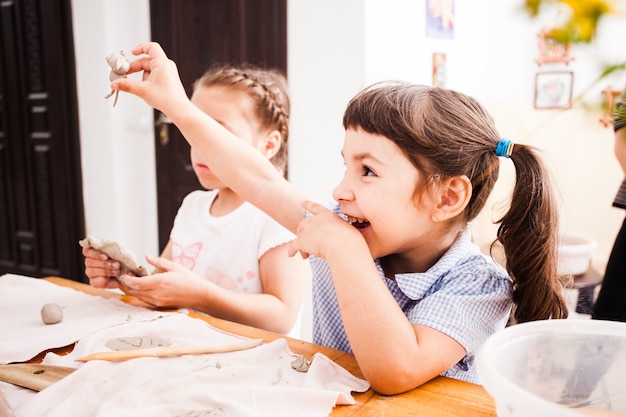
x=300 y=364
x=115 y=250
x=51 y=313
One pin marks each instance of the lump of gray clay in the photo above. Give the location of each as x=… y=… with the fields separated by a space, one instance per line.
x=51 y=313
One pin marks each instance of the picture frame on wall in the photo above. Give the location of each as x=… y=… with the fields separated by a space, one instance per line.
x=553 y=89
x=552 y=51
x=440 y=19
x=439 y=70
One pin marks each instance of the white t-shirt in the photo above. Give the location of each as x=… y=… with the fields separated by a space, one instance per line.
x=225 y=249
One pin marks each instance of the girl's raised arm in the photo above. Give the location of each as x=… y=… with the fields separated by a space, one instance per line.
x=238 y=165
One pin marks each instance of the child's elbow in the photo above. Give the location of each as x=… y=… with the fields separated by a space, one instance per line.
x=391 y=387
x=396 y=381
x=283 y=328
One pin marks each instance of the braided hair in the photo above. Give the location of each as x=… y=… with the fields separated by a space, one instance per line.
x=268 y=90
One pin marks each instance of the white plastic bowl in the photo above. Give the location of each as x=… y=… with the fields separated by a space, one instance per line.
x=574 y=253
x=556 y=368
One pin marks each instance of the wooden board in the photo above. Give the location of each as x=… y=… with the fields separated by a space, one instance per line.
x=33 y=375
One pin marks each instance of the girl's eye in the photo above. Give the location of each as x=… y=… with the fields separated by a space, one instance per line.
x=367 y=172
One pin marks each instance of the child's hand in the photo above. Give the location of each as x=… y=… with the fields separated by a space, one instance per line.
x=323 y=234
x=101 y=270
x=160 y=86
x=171 y=288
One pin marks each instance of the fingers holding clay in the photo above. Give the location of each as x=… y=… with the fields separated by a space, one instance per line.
x=99 y=264
x=115 y=251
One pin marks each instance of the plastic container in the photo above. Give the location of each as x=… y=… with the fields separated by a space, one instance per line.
x=575 y=254
x=556 y=368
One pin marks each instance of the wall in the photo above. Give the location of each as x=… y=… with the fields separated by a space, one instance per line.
x=119 y=183
x=336 y=48
x=579 y=149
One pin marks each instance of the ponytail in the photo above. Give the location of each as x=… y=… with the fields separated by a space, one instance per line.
x=529 y=235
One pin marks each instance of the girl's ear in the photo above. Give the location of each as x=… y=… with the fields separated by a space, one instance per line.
x=455 y=194
x=271 y=144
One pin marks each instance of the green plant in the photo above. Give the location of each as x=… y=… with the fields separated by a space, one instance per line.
x=582 y=18
x=582 y=21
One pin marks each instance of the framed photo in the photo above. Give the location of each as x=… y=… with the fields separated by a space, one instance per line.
x=553 y=90
x=550 y=50
x=439 y=70
x=440 y=19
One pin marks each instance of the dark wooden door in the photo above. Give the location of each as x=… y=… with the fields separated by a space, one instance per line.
x=41 y=203
x=197 y=34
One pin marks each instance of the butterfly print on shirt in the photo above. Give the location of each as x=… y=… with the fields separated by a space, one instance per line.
x=186 y=256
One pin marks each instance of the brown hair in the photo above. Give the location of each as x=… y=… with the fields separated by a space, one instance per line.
x=445 y=134
x=267 y=87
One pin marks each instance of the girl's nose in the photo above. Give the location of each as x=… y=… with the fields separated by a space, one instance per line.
x=342 y=191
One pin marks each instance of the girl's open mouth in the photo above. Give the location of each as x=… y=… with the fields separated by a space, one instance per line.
x=358 y=223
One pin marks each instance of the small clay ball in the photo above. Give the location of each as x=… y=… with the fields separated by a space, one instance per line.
x=51 y=313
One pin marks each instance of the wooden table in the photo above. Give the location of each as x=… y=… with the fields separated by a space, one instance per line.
x=438 y=398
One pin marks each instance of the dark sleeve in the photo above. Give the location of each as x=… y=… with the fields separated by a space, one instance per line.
x=620 y=198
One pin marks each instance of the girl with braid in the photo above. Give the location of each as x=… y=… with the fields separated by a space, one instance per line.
x=226 y=257
x=397 y=280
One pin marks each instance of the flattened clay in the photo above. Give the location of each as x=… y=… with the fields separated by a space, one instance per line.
x=137 y=342
x=51 y=313
x=128 y=263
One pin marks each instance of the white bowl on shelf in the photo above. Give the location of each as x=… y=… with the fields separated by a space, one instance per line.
x=574 y=253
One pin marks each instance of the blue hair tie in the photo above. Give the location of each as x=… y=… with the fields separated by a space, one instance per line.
x=504 y=148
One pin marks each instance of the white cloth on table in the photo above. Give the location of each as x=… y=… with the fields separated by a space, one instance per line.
x=24 y=335
x=254 y=382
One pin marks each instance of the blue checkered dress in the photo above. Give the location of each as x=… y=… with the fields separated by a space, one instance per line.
x=465 y=295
